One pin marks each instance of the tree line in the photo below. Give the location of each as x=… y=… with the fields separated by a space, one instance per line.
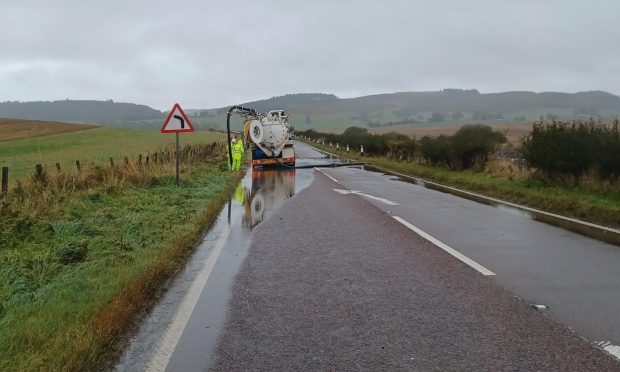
x=469 y=147
x=563 y=151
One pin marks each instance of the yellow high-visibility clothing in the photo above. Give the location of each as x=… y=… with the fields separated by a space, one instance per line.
x=237 y=151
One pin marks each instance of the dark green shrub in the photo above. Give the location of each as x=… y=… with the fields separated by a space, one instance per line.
x=436 y=150
x=572 y=149
x=471 y=146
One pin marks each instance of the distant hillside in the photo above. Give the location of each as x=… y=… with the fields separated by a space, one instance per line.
x=326 y=111
x=13 y=129
x=78 y=111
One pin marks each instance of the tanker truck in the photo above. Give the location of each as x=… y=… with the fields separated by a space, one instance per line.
x=267 y=136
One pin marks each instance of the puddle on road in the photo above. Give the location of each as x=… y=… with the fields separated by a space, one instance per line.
x=455 y=192
x=604 y=234
x=258 y=196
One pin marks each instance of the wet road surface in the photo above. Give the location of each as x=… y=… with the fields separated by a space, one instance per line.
x=180 y=332
x=576 y=277
x=326 y=280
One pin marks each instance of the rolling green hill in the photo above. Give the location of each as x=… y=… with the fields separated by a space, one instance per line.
x=326 y=111
x=80 y=111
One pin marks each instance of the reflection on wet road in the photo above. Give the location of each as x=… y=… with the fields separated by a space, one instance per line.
x=181 y=330
x=270 y=189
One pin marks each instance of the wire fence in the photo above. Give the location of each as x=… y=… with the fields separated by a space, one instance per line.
x=188 y=154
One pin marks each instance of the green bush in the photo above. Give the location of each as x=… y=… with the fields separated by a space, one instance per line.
x=469 y=147
x=436 y=150
x=573 y=149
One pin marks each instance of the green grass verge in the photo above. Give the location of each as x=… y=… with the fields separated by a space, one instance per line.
x=93 y=145
x=71 y=282
x=596 y=207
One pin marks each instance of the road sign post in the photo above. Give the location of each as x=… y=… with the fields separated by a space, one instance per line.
x=177 y=179
x=177 y=122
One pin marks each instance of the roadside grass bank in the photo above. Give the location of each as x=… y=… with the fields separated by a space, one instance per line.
x=95 y=145
x=82 y=254
x=599 y=207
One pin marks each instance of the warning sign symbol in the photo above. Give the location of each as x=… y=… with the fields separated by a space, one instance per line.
x=177 y=121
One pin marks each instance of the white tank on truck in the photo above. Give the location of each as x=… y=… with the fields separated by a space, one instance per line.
x=267 y=136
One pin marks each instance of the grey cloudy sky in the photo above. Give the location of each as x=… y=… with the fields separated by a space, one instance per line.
x=209 y=54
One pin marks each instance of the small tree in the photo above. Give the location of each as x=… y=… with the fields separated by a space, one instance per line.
x=472 y=144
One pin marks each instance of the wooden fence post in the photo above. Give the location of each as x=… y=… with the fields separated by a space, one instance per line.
x=112 y=163
x=79 y=168
x=140 y=159
x=58 y=167
x=147 y=160
x=39 y=169
x=5 y=180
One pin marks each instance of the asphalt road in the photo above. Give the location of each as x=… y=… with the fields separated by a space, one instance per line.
x=331 y=280
x=180 y=332
x=576 y=277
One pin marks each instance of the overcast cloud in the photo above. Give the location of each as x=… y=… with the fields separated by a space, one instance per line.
x=209 y=54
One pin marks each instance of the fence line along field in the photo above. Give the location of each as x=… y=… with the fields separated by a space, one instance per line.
x=13 y=129
x=94 y=145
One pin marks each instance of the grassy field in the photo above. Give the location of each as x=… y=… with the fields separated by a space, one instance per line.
x=77 y=264
x=81 y=254
x=94 y=145
x=13 y=129
x=596 y=206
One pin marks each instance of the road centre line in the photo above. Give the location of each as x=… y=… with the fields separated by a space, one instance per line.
x=466 y=260
x=327 y=175
x=168 y=343
x=345 y=192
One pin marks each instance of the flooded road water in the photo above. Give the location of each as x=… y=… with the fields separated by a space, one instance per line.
x=184 y=324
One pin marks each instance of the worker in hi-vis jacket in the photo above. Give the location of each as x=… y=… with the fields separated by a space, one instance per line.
x=237 y=153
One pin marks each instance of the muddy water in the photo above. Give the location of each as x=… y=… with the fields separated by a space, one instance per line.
x=256 y=198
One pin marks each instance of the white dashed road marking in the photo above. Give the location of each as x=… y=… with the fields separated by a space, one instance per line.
x=345 y=192
x=327 y=175
x=468 y=261
x=608 y=347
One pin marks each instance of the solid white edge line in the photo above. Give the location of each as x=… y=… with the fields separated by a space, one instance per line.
x=466 y=260
x=605 y=229
x=159 y=361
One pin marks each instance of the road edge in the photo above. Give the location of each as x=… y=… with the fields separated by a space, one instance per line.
x=602 y=233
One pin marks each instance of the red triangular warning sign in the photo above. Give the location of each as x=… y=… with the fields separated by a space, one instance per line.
x=177 y=121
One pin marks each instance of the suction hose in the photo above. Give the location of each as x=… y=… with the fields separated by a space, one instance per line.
x=243 y=110
x=330 y=165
